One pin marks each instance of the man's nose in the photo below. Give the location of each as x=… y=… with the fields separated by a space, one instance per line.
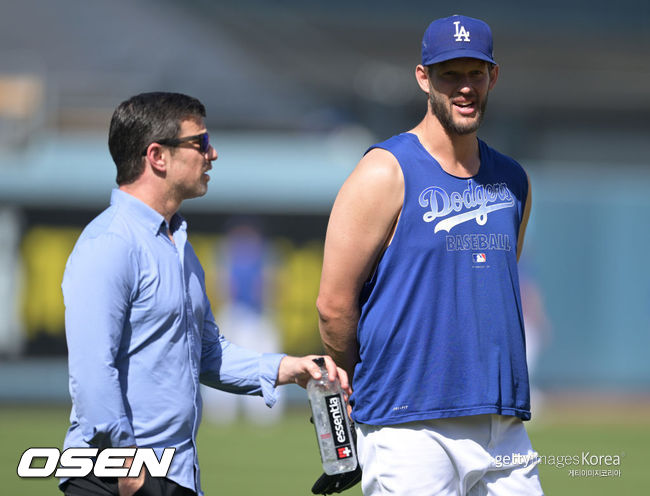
x=465 y=84
x=212 y=153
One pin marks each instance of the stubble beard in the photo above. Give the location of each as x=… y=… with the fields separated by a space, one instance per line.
x=440 y=107
x=193 y=190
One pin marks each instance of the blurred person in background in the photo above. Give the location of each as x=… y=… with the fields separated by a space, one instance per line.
x=139 y=328
x=244 y=258
x=419 y=298
x=539 y=331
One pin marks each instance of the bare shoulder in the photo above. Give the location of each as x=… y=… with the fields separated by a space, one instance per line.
x=376 y=178
x=380 y=165
x=366 y=209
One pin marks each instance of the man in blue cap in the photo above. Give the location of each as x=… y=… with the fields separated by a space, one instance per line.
x=419 y=298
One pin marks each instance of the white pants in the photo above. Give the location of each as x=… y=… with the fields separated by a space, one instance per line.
x=475 y=456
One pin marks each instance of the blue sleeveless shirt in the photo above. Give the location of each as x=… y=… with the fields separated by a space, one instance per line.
x=441 y=330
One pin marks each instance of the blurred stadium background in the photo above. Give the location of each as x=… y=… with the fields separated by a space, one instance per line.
x=295 y=92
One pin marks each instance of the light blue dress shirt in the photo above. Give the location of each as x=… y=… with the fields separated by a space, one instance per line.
x=141 y=336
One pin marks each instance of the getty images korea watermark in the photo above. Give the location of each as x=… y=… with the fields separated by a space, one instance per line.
x=79 y=462
x=585 y=464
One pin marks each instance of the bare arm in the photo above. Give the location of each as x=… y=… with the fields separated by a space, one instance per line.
x=360 y=227
x=524 y=221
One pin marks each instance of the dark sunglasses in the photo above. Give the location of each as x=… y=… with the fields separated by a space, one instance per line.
x=203 y=140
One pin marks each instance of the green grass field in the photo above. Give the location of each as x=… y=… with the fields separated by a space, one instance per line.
x=244 y=459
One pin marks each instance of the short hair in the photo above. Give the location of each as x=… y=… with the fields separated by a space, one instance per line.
x=140 y=121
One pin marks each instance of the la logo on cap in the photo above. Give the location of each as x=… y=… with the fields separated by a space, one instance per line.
x=456 y=37
x=461 y=33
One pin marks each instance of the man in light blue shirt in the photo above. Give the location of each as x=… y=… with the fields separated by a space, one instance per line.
x=139 y=328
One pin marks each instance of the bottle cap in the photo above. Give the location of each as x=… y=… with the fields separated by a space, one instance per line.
x=320 y=361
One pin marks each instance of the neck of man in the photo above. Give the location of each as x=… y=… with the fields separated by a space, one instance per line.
x=149 y=194
x=457 y=154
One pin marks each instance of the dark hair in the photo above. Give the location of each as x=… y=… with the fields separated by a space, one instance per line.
x=143 y=119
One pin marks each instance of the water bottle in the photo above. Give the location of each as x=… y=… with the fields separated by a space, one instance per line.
x=337 y=451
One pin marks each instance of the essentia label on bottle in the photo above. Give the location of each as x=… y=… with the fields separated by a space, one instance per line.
x=336 y=412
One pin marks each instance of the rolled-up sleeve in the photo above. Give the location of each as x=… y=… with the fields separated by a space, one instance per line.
x=97 y=288
x=234 y=369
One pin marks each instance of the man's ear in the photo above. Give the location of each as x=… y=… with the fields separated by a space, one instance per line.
x=494 y=75
x=156 y=157
x=422 y=77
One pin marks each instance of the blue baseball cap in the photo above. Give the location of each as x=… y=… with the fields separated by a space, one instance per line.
x=456 y=37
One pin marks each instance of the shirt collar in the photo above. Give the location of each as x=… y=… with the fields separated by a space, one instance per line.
x=146 y=215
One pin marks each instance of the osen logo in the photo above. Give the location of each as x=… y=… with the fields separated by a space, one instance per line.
x=79 y=462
